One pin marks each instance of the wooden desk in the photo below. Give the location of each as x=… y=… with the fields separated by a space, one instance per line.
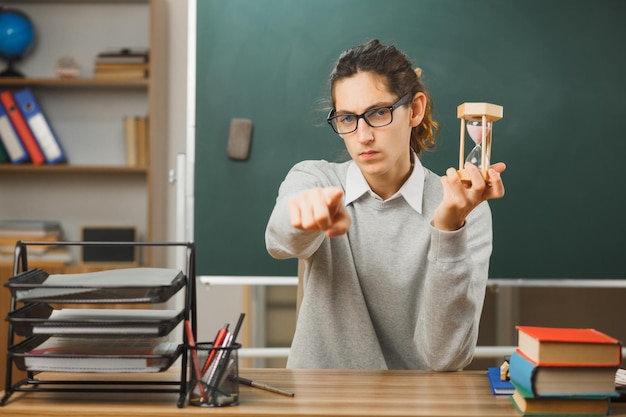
x=318 y=393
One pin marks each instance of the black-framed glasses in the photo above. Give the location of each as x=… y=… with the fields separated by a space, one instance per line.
x=375 y=117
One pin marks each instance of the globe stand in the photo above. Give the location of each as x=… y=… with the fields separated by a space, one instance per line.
x=478 y=119
x=10 y=71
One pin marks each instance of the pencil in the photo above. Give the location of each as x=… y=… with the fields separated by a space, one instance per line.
x=228 y=343
x=221 y=334
x=261 y=385
x=238 y=326
x=194 y=357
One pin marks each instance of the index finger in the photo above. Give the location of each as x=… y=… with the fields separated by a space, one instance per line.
x=333 y=196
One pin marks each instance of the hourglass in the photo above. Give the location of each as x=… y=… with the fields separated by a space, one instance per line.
x=477 y=119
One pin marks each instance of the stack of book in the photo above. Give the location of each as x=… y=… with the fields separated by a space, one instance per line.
x=46 y=231
x=126 y=63
x=25 y=132
x=136 y=139
x=564 y=371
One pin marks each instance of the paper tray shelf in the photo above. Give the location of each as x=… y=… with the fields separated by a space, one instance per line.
x=34 y=305
x=157 y=361
x=94 y=287
x=34 y=319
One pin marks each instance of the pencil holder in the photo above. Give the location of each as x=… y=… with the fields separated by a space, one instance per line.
x=214 y=373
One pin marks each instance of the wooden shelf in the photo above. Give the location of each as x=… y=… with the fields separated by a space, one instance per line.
x=78 y=169
x=74 y=82
x=87 y=114
x=75 y=1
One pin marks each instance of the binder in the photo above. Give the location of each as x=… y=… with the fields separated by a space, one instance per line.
x=39 y=126
x=21 y=127
x=11 y=141
x=4 y=156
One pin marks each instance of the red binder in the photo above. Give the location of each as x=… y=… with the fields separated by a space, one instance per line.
x=22 y=129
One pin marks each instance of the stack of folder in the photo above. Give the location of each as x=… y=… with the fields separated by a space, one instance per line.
x=564 y=371
x=25 y=132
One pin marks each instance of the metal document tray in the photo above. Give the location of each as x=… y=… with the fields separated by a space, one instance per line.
x=112 y=361
x=95 y=287
x=34 y=318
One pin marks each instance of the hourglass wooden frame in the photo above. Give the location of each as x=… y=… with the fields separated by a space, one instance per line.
x=484 y=113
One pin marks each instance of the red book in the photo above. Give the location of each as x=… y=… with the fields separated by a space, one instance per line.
x=555 y=346
x=22 y=129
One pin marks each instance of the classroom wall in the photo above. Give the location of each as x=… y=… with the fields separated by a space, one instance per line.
x=177 y=108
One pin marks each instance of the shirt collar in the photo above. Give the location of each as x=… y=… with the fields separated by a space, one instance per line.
x=412 y=190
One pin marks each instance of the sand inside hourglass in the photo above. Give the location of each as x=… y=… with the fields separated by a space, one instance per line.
x=475 y=131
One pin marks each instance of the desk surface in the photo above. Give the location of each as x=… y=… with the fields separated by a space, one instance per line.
x=318 y=393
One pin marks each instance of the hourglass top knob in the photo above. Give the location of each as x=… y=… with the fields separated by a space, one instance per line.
x=475 y=111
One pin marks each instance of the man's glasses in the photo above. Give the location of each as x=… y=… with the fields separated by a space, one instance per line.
x=375 y=117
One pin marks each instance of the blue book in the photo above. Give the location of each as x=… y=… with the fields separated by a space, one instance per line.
x=533 y=381
x=498 y=386
x=39 y=126
x=10 y=139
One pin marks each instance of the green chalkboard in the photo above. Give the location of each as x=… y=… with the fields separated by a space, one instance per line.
x=557 y=67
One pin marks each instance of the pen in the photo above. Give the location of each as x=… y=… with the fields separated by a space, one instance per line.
x=261 y=385
x=216 y=343
x=238 y=326
x=222 y=361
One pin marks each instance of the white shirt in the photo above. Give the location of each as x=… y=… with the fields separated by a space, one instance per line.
x=412 y=190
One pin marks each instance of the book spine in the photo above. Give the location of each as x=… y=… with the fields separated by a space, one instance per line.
x=142 y=141
x=522 y=374
x=11 y=141
x=21 y=127
x=130 y=139
x=39 y=126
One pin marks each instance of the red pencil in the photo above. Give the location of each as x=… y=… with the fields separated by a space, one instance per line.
x=219 y=338
x=194 y=357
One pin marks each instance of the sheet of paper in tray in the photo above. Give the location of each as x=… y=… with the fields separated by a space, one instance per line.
x=63 y=285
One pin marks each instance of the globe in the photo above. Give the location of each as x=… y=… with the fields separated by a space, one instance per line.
x=17 y=36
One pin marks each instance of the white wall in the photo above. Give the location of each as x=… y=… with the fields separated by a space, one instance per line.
x=177 y=109
x=216 y=305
